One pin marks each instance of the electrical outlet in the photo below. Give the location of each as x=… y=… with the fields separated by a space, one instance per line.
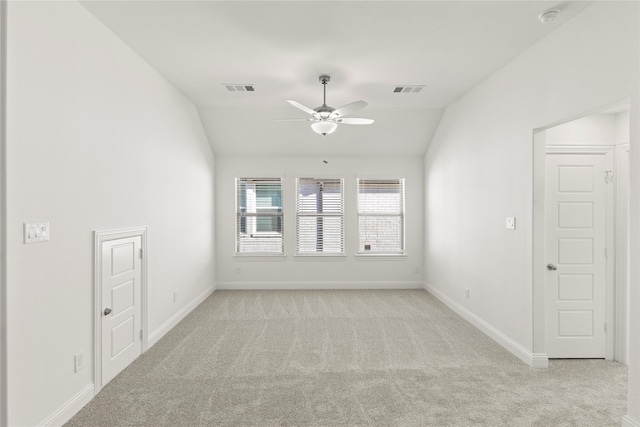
x=416 y=270
x=78 y=362
x=466 y=293
x=237 y=270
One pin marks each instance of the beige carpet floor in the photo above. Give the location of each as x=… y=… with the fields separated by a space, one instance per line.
x=348 y=358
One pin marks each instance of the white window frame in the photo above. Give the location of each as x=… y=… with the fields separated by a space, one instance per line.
x=278 y=215
x=400 y=214
x=320 y=216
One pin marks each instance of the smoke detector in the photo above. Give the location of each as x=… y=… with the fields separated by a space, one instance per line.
x=548 y=15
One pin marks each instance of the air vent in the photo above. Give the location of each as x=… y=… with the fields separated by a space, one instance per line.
x=408 y=89
x=239 y=87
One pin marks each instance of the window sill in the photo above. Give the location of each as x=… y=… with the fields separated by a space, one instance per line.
x=378 y=257
x=320 y=257
x=259 y=257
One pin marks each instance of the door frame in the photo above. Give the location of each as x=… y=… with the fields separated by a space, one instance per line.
x=101 y=236
x=4 y=418
x=540 y=358
x=610 y=232
x=622 y=281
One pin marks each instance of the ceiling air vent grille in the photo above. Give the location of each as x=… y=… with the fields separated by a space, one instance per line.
x=408 y=89
x=239 y=87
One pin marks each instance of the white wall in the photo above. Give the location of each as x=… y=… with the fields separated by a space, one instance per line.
x=622 y=127
x=317 y=272
x=96 y=139
x=478 y=169
x=595 y=129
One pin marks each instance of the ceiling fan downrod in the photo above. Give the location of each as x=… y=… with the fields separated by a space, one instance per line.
x=324 y=110
x=324 y=80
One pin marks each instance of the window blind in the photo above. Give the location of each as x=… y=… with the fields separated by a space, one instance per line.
x=320 y=216
x=381 y=216
x=259 y=215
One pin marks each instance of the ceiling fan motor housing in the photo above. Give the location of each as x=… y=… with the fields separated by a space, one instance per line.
x=324 y=111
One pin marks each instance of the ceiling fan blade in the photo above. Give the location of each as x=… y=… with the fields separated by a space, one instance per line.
x=293 y=120
x=345 y=110
x=303 y=108
x=354 y=121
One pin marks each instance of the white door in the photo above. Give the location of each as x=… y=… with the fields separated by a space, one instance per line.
x=121 y=304
x=576 y=237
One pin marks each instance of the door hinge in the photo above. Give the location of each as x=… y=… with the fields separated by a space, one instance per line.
x=606 y=252
x=608 y=177
x=140 y=253
x=605 y=326
x=140 y=334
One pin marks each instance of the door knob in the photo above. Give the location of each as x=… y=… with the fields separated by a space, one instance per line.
x=107 y=311
x=551 y=267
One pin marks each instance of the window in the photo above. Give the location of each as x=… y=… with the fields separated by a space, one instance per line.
x=259 y=215
x=320 y=216
x=381 y=216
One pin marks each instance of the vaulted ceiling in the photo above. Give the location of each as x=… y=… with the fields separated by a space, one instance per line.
x=367 y=47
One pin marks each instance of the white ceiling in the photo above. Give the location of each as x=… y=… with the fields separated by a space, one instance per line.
x=367 y=47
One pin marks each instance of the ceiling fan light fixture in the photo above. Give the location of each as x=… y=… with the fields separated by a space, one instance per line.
x=324 y=127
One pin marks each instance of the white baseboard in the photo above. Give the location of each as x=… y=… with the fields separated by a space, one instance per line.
x=628 y=422
x=69 y=409
x=534 y=360
x=259 y=285
x=155 y=336
x=539 y=360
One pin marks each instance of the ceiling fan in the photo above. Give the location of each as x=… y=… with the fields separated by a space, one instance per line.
x=325 y=119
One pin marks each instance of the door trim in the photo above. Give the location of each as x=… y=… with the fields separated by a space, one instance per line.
x=4 y=418
x=622 y=195
x=101 y=236
x=580 y=149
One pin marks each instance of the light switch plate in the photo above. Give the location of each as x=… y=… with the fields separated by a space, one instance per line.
x=511 y=223
x=78 y=362
x=36 y=232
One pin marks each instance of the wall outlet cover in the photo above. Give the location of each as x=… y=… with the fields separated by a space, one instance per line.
x=511 y=223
